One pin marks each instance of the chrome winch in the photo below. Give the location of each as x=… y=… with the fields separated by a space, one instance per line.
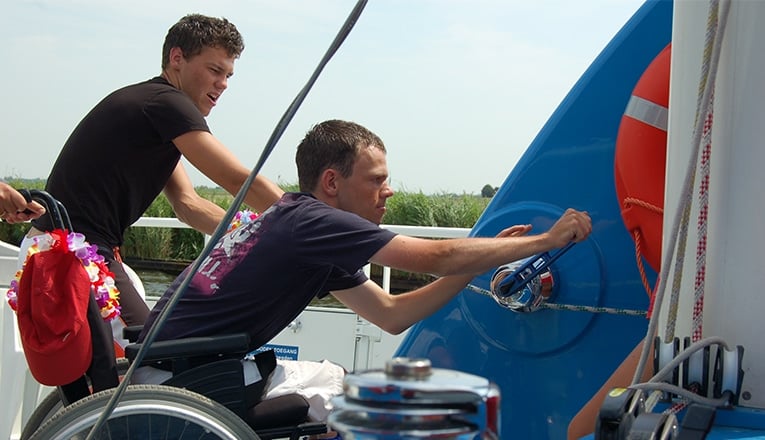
x=409 y=399
x=523 y=286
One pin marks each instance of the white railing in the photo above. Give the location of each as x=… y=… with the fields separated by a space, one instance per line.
x=414 y=231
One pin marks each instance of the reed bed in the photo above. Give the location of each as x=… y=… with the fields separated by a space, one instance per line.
x=404 y=208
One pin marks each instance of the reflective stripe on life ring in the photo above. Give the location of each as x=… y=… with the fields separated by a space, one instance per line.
x=647 y=112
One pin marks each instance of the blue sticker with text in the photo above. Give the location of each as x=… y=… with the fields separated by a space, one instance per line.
x=284 y=352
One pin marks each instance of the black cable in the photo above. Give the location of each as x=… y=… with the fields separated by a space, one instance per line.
x=223 y=226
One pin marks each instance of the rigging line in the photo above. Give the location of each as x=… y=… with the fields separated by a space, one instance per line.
x=703 y=103
x=719 y=402
x=220 y=230
x=701 y=228
x=690 y=170
x=569 y=307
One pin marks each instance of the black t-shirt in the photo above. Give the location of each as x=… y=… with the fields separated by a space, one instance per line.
x=260 y=276
x=119 y=157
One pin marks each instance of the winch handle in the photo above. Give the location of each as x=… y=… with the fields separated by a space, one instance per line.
x=535 y=270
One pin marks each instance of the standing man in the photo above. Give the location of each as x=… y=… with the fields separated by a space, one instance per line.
x=313 y=243
x=127 y=149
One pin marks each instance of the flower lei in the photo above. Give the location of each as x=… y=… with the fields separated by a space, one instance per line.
x=242 y=218
x=101 y=278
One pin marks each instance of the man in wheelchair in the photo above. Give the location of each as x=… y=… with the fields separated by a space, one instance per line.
x=260 y=276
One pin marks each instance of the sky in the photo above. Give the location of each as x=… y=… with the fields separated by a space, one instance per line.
x=457 y=89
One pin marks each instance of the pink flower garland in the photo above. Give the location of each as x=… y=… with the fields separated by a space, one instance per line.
x=101 y=278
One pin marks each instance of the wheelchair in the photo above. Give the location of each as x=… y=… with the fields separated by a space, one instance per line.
x=204 y=399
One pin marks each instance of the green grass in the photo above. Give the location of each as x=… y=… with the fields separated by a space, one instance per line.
x=404 y=208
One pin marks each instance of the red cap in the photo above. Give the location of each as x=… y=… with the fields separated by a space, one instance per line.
x=53 y=296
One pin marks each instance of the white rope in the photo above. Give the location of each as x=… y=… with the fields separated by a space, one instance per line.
x=654 y=397
x=570 y=307
x=715 y=34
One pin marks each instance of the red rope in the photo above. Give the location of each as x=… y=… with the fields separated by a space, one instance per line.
x=701 y=226
x=638 y=239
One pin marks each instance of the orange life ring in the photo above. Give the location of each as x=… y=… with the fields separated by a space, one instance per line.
x=640 y=159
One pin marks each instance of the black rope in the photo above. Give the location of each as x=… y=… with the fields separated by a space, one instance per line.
x=223 y=226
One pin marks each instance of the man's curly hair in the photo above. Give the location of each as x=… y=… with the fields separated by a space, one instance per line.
x=194 y=32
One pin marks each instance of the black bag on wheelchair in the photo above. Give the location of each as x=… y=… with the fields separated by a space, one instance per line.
x=62 y=280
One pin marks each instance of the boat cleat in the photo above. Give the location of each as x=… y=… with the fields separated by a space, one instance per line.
x=617 y=414
x=693 y=373
x=654 y=426
x=728 y=374
x=696 y=370
x=663 y=354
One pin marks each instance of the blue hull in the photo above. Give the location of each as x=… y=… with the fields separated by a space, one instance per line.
x=548 y=363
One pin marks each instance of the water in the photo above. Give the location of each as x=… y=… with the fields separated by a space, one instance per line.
x=156 y=282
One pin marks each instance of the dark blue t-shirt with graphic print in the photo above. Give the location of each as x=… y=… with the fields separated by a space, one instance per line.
x=260 y=277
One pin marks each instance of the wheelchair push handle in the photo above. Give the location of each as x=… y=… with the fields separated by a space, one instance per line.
x=54 y=208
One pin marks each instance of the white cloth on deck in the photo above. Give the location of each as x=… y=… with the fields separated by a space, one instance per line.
x=317 y=382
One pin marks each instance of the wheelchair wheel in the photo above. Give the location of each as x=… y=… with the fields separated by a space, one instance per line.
x=152 y=412
x=51 y=404
x=44 y=411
